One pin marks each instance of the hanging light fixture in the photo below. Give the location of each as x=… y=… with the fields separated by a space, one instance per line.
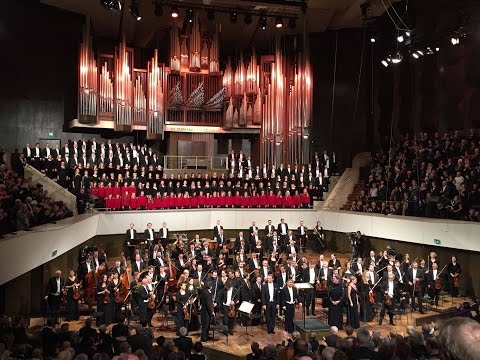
x=306 y=132
x=262 y=22
x=279 y=22
x=174 y=12
x=278 y=139
x=397 y=58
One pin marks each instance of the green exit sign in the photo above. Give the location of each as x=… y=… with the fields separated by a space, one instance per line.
x=437 y=241
x=50 y=133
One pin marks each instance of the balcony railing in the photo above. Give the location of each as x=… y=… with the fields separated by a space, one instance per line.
x=195 y=162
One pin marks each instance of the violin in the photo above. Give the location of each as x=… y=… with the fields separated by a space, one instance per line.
x=232 y=311
x=388 y=300
x=371 y=294
x=106 y=296
x=76 y=291
x=321 y=285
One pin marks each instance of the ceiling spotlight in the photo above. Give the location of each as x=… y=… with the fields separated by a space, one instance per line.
x=397 y=58
x=385 y=63
x=174 y=12
x=372 y=39
x=437 y=49
x=292 y=24
x=407 y=33
x=247 y=19
x=278 y=22
x=233 y=16
x=262 y=22
x=158 y=9
x=400 y=38
x=278 y=139
x=420 y=52
x=111 y=5
x=190 y=15
x=210 y=15
x=429 y=51
x=135 y=10
x=455 y=40
x=415 y=55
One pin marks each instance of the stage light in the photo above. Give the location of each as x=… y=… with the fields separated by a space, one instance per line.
x=135 y=10
x=437 y=49
x=400 y=38
x=397 y=58
x=455 y=40
x=279 y=22
x=385 y=63
x=233 y=16
x=372 y=39
x=407 y=33
x=210 y=15
x=247 y=19
x=111 y=5
x=420 y=52
x=415 y=55
x=262 y=22
x=429 y=51
x=158 y=9
x=292 y=23
x=174 y=12
x=190 y=15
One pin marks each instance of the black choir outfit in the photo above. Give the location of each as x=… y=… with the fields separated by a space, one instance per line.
x=55 y=288
x=353 y=310
x=452 y=270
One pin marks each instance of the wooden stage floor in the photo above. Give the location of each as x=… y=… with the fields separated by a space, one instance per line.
x=238 y=345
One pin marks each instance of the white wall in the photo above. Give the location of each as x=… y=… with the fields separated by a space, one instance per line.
x=27 y=250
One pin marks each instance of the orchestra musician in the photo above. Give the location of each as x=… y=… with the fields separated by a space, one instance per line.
x=163 y=234
x=270 y=303
x=334 y=263
x=72 y=286
x=130 y=238
x=390 y=297
x=104 y=301
x=432 y=278
x=216 y=230
x=207 y=310
x=55 y=292
x=229 y=301
x=282 y=229
x=311 y=276
x=138 y=265
x=183 y=298
x=453 y=270
x=302 y=235
x=149 y=234
x=415 y=277
x=289 y=297
x=319 y=243
x=335 y=298
x=269 y=228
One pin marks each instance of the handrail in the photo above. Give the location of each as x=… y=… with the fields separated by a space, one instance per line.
x=172 y=162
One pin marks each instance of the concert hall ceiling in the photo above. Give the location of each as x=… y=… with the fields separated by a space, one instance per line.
x=321 y=15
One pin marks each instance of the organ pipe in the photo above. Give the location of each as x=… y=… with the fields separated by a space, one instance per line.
x=87 y=102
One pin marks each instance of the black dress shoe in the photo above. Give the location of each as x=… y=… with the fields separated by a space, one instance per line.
x=231 y=332
x=380 y=322
x=392 y=323
x=225 y=332
x=272 y=332
x=313 y=314
x=422 y=312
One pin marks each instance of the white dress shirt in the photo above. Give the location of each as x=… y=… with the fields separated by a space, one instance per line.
x=270 y=291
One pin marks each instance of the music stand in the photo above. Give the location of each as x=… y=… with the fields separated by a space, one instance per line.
x=246 y=307
x=300 y=287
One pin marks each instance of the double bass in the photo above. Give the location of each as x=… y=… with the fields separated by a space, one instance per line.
x=122 y=294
